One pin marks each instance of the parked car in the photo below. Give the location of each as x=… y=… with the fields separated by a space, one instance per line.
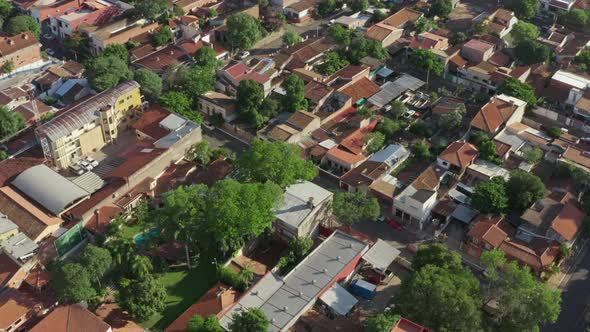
x=244 y=55
x=77 y=169
x=91 y=161
x=408 y=114
x=395 y=225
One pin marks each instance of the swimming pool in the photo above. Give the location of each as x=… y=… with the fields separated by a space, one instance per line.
x=143 y=238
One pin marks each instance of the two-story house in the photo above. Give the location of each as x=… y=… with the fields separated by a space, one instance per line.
x=457 y=157
x=23 y=51
x=499 y=112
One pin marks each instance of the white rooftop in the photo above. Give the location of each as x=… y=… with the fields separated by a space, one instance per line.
x=390 y=155
x=6 y=225
x=19 y=246
x=381 y=255
x=172 y=122
x=339 y=300
x=489 y=169
x=571 y=79
x=296 y=204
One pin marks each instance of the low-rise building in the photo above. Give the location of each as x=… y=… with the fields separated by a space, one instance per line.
x=73 y=317
x=392 y=28
x=502 y=21
x=457 y=157
x=118 y=32
x=214 y=102
x=22 y=50
x=63 y=24
x=15 y=310
x=477 y=50
x=499 y=112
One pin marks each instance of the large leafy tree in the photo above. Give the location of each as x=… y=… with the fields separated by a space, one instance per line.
x=332 y=63
x=389 y=127
x=97 y=261
x=440 y=8
x=200 y=152
x=6 y=10
x=198 y=80
x=359 y=5
x=243 y=31
x=71 y=282
x=163 y=36
x=515 y=88
x=350 y=208
x=198 y=324
x=340 y=34
x=206 y=57
x=490 y=197
x=427 y=61
x=442 y=299
x=294 y=100
x=118 y=50
x=249 y=97
x=327 y=7
x=105 y=72
x=299 y=248
x=152 y=9
x=523 y=189
x=492 y=260
x=141 y=267
x=374 y=141
x=18 y=24
x=529 y=52
x=524 y=31
x=278 y=162
x=143 y=298
x=382 y=322
x=10 y=122
x=525 y=304
x=436 y=254
x=450 y=121
x=291 y=38
x=180 y=103
x=524 y=9
x=249 y=320
x=576 y=18
x=362 y=47
x=150 y=82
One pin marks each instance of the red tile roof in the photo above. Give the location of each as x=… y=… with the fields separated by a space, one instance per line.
x=363 y=88
x=460 y=154
x=568 y=221
x=9 y=168
x=71 y=318
x=149 y=122
x=492 y=115
x=236 y=70
x=406 y=325
x=99 y=222
x=8 y=268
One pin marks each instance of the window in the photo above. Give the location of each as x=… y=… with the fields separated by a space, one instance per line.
x=474 y=241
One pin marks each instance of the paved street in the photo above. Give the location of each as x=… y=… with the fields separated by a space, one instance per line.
x=575 y=300
x=218 y=138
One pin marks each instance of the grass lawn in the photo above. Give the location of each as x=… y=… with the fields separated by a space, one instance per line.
x=128 y=231
x=183 y=288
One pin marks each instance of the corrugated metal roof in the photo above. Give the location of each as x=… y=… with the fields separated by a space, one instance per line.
x=391 y=90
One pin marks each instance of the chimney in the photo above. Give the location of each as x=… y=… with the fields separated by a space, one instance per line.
x=26 y=36
x=310 y=202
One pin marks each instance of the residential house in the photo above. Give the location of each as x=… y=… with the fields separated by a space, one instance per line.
x=429 y=41
x=34 y=110
x=557 y=6
x=22 y=50
x=415 y=202
x=297 y=127
x=213 y=102
x=499 y=112
x=477 y=50
x=557 y=217
x=392 y=90
x=118 y=32
x=521 y=137
x=164 y=58
x=570 y=91
x=493 y=232
x=15 y=96
x=305 y=206
x=189 y=6
x=300 y=11
x=70 y=318
x=231 y=75
x=350 y=153
x=502 y=21
x=577 y=157
x=349 y=22
x=185 y=27
x=89 y=125
x=567 y=47
x=447 y=104
x=282 y=3
x=375 y=168
x=19 y=247
x=392 y=28
x=63 y=24
x=482 y=171
x=15 y=310
x=457 y=157
x=303 y=55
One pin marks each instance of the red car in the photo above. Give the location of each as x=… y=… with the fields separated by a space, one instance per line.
x=395 y=224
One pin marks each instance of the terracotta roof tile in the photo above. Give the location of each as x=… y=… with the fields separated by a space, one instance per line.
x=71 y=318
x=429 y=179
x=402 y=17
x=568 y=221
x=363 y=88
x=577 y=156
x=8 y=268
x=9 y=45
x=13 y=305
x=149 y=122
x=99 y=222
x=460 y=154
x=492 y=115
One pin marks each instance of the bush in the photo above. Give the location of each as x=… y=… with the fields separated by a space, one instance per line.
x=420 y=128
x=554 y=132
x=238 y=280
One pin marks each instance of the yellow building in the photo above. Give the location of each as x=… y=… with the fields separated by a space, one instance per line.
x=89 y=125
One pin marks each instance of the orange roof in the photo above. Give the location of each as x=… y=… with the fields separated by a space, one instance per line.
x=402 y=17
x=113 y=315
x=492 y=115
x=9 y=45
x=429 y=179
x=99 y=222
x=363 y=88
x=209 y=304
x=460 y=154
x=149 y=122
x=71 y=318
x=380 y=31
x=488 y=229
x=345 y=156
x=406 y=325
x=8 y=268
x=539 y=254
x=13 y=305
x=577 y=156
x=568 y=222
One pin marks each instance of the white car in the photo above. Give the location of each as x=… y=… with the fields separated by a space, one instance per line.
x=244 y=55
x=50 y=51
x=91 y=161
x=408 y=113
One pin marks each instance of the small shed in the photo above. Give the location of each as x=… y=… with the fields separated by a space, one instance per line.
x=339 y=300
x=381 y=255
x=348 y=22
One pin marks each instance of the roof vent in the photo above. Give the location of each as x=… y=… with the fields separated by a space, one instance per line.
x=300 y=294
x=325 y=270
x=285 y=308
x=313 y=282
x=338 y=258
x=350 y=245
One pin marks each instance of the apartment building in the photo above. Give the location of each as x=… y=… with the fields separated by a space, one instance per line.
x=89 y=125
x=97 y=12
x=118 y=32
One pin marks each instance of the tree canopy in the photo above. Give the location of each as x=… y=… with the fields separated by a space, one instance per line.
x=362 y=47
x=150 y=82
x=441 y=9
x=340 y=34
x=163 y=36
x=71 y=282
x=333 y=62
x=180 y=103
x=327 y=7
x=243 y=31
x=118 y=50
x=529 y=52
x=523 y=189
x=291 y=38
x=389 y=127
x=515 y=88
x=96 y=260
x=6 y=10
x=198 y=324
x=206 y=57
x=490 y=197
x=10 y=122
x=427 y=61
x=436 y=254
x=524 y=31
x=350 y=208
x=374 y=141
x=294 y=99
x=143 y=298
x=249 y=320
x=382 y=322
x=277 y=161
x=197 y=81
x=249 y=97
x=106 y=72
x=152 y=9
x=21 y=23
x=524 y=9
x=359 y=5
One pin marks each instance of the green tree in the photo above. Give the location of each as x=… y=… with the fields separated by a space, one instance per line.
x=351 y=208
x=141 y=267
x=524 y=31
x=492 y=260
x=122 y=251
x=212 y=12
x=178 y=102
x=72 y=283
x=152 y=9
x=198 y=324
x=525 y=304
x=533 y=155
x=106 y=72
x=450 y=121
x=294 y=99
x=515 y=88
x=436 y=254
x=200 y=152
x=117 y=50
x=441 y=9
x=420 y=128
x=97 y=261
x=243 y=31
x=18 y=24
x=4 y=155
x=249 y=97
x=163 y=36
x=10 y=122
x=197 y=81
x=524 y=9
x=583 y=60
x=458 y=38
x=299 y=248
x=576 y=18
x=523 y=189
x=359 y=5
x=291 y=38
x=382 y=322
x=362 y=47
x=249 y=320
x=389 y=128
x=332 y=63
x=529 y=52
x=6 y=10
x=490 y=197
x=374 y=141
x=423 y=24
x=76 y=43
x=427 y=61
x=340 y=34
x=554 y=132
x=150 y=83
x=278 y=162
x=8 y=67
x=442 y=299
x=327 y=7
x=206 y=57
x=222 y=152
x=420 y=150
x=397 y=108
x=143 y=298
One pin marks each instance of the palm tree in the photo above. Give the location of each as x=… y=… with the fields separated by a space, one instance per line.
x=141 y=266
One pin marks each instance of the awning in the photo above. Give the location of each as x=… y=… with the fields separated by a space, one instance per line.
x=339 y=300
x=381 y=255
x=384 y=72
x=464 y=214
